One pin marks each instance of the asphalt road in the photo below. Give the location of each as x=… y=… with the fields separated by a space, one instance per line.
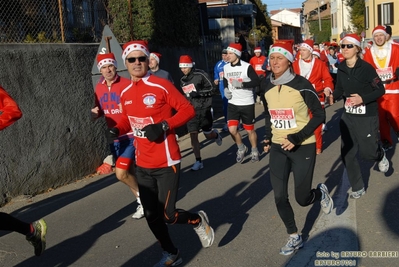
x=90 y=224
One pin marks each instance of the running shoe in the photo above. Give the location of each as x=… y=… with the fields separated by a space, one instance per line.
x=292 y=245
x=254 y=157
x=139 y=212
x=38 y=238
x=204 y=230
x=326 y=201
x=358 y=194
x=241 y=155
x=169 y=259
x=218 y=139
x=383 y=165
x=197 y=166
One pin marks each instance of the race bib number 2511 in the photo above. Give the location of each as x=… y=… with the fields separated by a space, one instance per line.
x=283 y=118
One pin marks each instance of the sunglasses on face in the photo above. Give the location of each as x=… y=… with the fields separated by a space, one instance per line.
x=133 y=59
x=349 y=46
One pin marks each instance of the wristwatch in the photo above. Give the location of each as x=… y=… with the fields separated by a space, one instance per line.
x=165 y=126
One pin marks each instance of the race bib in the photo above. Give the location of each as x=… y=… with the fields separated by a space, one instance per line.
x=139 y=123
x=237 y=79
x=258 y=67
x=221 y=75
x=188 y=88
x=283 y=119
x=385 y=74
x=354 y=110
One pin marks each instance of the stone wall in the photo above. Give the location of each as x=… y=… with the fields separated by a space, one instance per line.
x=55 y=142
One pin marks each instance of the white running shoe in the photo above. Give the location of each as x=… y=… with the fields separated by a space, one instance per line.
x=383 y=165
x=326 y=201
x=292 y=245
x=357 y=194
x=197 y=166
x=204 y=230
x=139 y=212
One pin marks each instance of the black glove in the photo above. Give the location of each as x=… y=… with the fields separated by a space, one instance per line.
x=194 y=94
x=397 y=72
x=153 y=131
x=112 y=134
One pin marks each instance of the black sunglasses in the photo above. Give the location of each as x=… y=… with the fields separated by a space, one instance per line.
x=349 y=46
x=133 y=59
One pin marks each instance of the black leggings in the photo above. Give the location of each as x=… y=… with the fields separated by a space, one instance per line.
x=9 y=223
x=158 y=194
x=300 y=161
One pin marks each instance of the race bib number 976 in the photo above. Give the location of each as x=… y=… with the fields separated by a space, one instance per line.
x=283 y=118
x=139 y=123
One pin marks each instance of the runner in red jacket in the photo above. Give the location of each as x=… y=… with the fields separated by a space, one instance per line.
x=35 y=232
x=148 y=105
x=384 y=57
x=319 y=76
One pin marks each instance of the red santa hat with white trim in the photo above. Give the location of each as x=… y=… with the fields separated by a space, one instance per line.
x=156 y=56
x=257 y=50
x=137 y=45
x=106 y=59
x=283 y=47
x=185 y=61
x=308 y=44
x=353 y=38
x=236 y=48
x=381 y=29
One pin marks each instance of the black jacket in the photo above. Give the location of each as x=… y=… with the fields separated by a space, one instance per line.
x=202 y=97
x=363 y=80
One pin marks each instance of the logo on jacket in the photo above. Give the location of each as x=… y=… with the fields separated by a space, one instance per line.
x=149 y=100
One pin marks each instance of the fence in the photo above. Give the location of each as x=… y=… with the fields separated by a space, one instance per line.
x=45 y=21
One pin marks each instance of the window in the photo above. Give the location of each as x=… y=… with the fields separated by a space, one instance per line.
x=385 y=14
x=366 y=18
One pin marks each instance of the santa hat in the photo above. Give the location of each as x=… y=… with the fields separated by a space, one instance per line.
x=106 y=59
x=236 y=48
x=316 y=52
x=308 y=44
x=156 y=56
x=185 y=61
x=284 y=48
x=136 y=45
x=353 y=38
x=257 y=50
x=381 y=29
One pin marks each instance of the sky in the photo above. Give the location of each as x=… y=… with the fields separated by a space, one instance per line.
x=277 y=4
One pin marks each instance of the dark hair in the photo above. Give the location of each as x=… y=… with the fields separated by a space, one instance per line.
x=388 y=29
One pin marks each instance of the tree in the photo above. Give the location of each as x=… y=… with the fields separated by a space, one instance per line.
x=162 y=22
x=325 y=33
x=356 y=14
